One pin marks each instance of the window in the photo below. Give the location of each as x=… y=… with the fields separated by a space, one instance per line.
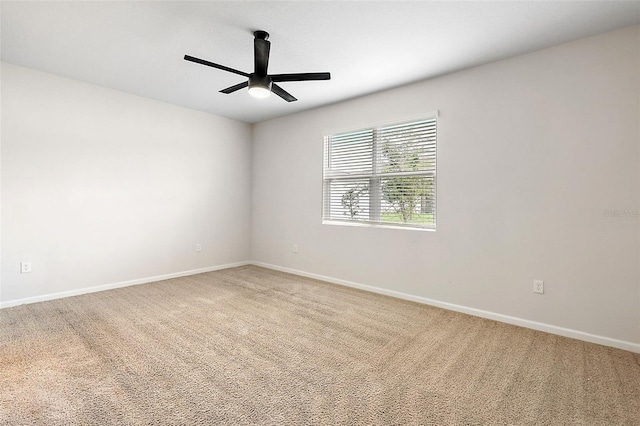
x=382 y=176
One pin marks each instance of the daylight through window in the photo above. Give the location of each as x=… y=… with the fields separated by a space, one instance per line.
x=383 y=175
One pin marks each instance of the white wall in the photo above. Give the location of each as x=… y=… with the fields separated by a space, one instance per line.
x=532 y=151
x=101 y=187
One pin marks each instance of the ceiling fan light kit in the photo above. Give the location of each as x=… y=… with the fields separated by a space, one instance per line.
x=259 y=87
x=260 y=83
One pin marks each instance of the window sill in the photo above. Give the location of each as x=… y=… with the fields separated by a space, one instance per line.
x=377 y=225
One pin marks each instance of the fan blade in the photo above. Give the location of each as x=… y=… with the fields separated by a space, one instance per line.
x=301 y=76
x=282 y=93
x=261 y=50
x=235 y=88
x=211 y=64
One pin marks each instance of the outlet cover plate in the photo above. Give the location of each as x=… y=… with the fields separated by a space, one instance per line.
x=538 y=286
x=25 y=267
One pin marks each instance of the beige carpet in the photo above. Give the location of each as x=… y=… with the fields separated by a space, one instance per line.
x=253 y=346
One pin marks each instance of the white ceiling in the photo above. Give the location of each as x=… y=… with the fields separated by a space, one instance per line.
x=138 y=46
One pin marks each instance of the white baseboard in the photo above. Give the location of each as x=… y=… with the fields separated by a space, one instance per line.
x=561 y=331
x=52 y=296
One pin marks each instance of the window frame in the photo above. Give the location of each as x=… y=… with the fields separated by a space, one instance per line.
x=376 y=175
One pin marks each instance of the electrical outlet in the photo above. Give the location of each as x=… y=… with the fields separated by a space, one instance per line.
x=25 y=267
x=198 y=247
x=538 y=286
x=295 y=248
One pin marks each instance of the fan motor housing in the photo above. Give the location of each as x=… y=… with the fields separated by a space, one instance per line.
x=259 y=81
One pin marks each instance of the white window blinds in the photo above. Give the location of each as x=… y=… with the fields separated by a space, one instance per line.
x=383 y=175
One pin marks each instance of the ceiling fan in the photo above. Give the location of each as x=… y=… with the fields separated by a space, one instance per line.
x=259 y=82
